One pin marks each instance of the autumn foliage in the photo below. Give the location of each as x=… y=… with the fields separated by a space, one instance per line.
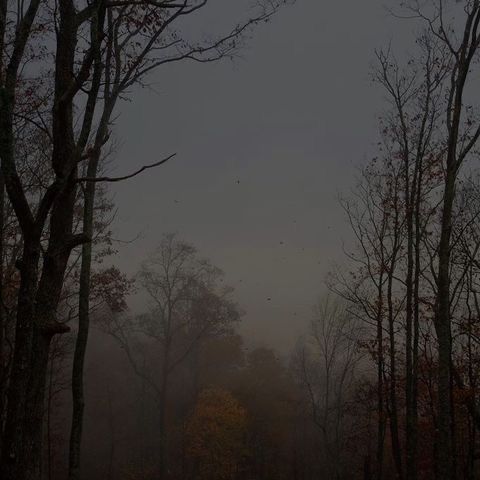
x=216 y=435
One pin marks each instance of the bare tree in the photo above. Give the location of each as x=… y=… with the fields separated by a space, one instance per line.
x=410 y=132
x=186 y=305
x=462 y=42
x=327 y=364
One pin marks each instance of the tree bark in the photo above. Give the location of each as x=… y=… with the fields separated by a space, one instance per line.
x=83 y=330
x=444 y=336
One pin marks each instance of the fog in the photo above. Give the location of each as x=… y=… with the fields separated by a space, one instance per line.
x=239 y=240
x=265 y=145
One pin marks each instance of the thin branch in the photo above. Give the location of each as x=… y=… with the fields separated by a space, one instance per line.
x=126 y=177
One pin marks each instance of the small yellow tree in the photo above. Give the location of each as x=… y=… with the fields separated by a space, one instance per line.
x=216 y=435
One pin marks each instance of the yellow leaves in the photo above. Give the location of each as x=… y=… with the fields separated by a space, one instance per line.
x=216 y=435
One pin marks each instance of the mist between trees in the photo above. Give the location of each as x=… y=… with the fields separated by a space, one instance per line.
x=384 y=382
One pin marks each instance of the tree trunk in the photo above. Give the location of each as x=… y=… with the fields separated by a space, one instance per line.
x=3 y=320
x=83 y=327
x=444 y=336
x=46 y=325
x=111 y=431
x=380 y=393
x=394 y=432
x=19 y=377
x=162 y=403
x=410 y=196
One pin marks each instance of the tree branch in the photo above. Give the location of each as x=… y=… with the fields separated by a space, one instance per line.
x=126 y=177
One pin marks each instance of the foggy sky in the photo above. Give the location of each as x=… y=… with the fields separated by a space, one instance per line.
x=264 y=146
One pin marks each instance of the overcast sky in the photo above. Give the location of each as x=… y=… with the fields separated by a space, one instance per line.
x=264 y=146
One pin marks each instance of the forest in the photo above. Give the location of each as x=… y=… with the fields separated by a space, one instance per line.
x=118 y=369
